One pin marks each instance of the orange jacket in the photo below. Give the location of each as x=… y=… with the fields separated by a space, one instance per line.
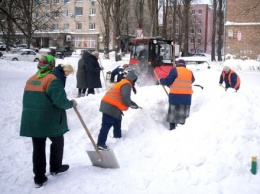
x=230 y=80
x=113 y=95
x=183 y=83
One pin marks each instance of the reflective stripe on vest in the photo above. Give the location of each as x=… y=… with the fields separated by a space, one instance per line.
x=113 y=95
x=182 y=84
x=229 y=78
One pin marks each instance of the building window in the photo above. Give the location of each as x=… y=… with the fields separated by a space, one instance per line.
x=193 y=12
x=177 y=22
x=66 y=1
x=79 y=0
x=192 y=41
x=199 y=21
x=66 y=13
x=92 y=26
x=176 y=31
x=200 y=12
x=199 y=31
x=78 y=26
x=78 y=11
x=66 y=26
x=57 y=1
x=55 y=26
x=56 y=14
x=192 y=31
x=193 y=21
x=199 y=41
x=92 y=0
x=92 y=11
x=86 y=42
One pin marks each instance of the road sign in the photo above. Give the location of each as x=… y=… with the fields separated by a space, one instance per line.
x=239 y=35
x=139 y=32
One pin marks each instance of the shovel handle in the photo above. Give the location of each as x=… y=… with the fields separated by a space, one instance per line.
x=89 y=135
x=103 y=74
x=160 y=83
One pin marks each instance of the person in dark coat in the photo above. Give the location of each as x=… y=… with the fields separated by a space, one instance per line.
x=230 y=77
x=93 y=72
x=82 y=82
x=180 y=81
x=119 y=72
x=115 y=101
x=44 y=116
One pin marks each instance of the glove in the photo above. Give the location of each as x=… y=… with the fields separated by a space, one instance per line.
x=74 y=103
x=134 y=105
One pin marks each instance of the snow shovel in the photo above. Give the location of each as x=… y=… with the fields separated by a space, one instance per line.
x=105 y=160
x=160 y=83
x=103 y=74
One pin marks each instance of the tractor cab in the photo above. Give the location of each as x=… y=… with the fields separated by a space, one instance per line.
x=151 y=57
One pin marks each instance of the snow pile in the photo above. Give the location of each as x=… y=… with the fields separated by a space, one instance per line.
x=211 y=153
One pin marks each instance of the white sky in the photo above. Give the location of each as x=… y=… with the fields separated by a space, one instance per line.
x=211 y=153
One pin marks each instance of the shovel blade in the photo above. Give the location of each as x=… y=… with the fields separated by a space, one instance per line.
x=109 y=159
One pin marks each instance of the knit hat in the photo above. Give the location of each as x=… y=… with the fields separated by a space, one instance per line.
x=181 y=62
x=45 y=65
x=226 y=68
x=132 y=77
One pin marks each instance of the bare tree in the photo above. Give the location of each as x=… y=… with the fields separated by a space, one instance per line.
x=30 y=16
x=139 y=13
x=186 y=29
x=105 y=6
x=153 y=8
x=165 y=4
x=118 y=10
x=213 y=35
x=220 y=28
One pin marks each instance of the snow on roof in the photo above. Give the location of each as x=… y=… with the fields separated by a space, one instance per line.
x=242 y=24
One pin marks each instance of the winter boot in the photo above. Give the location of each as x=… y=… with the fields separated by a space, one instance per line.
x=62 y=169
x=103 y=147
x=172 y=126
x=39 y=184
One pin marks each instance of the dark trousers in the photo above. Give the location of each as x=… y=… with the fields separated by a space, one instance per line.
x=39 y=156
x=107 y=122
x=91 y=91
x=82 y=91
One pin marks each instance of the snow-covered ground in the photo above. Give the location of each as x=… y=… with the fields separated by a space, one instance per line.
x=211 y=153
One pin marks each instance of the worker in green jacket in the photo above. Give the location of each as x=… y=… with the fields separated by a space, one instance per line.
x=44 y=116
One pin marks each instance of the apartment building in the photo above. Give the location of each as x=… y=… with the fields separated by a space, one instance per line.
x=78 y=25
x=242 y=28
x=200 y=28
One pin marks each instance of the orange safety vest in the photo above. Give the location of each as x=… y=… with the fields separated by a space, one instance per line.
x=229 y=79
x=183 y=83
x=113 y=95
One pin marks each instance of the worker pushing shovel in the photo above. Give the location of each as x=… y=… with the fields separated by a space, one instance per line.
x=180 y=81
x=116 y=100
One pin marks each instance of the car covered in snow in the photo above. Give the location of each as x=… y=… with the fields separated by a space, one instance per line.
x=22 y=55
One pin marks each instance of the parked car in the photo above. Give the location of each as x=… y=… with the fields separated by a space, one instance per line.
x=63 y=51
x=78 y=52
x=43 y=51
x=2 y=46
x=199 y=55
x=22 y=55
